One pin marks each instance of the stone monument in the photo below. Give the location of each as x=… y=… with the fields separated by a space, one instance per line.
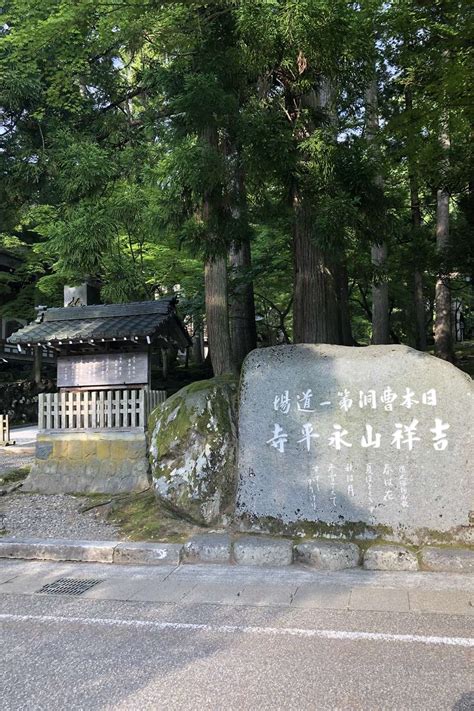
x=355 y=442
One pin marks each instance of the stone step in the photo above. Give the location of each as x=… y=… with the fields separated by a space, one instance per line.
x=244 y=550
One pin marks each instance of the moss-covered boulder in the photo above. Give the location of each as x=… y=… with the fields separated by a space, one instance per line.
x=193 y=446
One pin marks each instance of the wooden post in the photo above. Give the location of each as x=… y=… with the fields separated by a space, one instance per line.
x=38 y=360
x=164 y=358
x=5 y=431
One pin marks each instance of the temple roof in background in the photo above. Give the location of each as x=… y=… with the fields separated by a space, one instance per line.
x=105 y=322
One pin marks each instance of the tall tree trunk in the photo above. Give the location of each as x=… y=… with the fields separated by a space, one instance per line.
x=217 y=316
x=443 y=338
x=380 y=307
x=197 y=350
x=215 y=278
x=315 y=313
x=418 y=296
x=315 y=303
x=243 y=331
x=342 y=290
x=420 y=311
x=415 y=208
x=442 y=327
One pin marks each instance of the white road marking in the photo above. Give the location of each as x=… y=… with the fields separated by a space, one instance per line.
x=244 y=629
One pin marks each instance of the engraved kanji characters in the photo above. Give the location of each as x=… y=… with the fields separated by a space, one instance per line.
x=308 y=434
x=332 y=479
x=350 y=479
x=368 y=399
x=387 y=398
x=345 y=403
x=408 y=400
x=440 y=440
x=369 y=479
x=405 y=434
x=429 y=398
x=304 y=401
x=279 y=438
x=337 y=440
x=282 y=403
x=370 y=439
x=402 y=484
x=388 y=482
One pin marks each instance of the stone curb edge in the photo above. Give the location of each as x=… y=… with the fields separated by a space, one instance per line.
x=244 y=550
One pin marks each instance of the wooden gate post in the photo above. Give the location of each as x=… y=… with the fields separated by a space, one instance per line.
x=5 y=431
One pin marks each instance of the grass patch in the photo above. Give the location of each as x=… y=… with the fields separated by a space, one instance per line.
x=141 y=518
x=14 y=475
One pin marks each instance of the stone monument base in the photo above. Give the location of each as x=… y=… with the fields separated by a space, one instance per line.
x=112 y=462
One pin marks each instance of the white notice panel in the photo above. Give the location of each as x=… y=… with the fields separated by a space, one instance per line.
x=103 y=369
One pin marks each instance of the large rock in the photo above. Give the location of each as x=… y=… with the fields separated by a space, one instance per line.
x=355 y=442
x=193 y=450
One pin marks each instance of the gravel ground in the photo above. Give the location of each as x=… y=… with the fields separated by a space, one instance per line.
x=40 y=516
x=15 y=458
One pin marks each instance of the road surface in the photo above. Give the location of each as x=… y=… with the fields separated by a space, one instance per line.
x=223 y=637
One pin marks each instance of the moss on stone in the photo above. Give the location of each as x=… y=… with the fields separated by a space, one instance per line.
x=14 y=475
x=193 y=449
x=142 y=518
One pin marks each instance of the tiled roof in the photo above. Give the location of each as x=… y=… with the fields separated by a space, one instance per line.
x=108 y=321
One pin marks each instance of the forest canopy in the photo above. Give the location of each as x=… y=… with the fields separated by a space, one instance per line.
x=295 y=170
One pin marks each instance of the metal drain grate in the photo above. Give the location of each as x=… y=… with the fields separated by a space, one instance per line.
x=69 y=586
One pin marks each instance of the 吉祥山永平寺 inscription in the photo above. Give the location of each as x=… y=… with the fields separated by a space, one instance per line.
x=375 y=435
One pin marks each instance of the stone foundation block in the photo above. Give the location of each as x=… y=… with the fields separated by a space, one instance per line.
x=106 y=462
x=148 y=553
x=390 y=558
x=448 y=560
x=328 y=555
x=57 y=549
x=75 y=449
x=44 y=450
x=254 y=550
x=208 y=548
x=103 y=449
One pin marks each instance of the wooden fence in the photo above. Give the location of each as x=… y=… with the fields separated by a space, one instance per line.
x=97 y=409
x=5 y=431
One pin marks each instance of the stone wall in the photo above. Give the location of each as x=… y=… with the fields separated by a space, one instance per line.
x=89 y=462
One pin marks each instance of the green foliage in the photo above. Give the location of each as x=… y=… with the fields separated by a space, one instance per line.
x=126 y=128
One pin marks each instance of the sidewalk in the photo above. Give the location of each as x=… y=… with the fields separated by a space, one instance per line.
x=293 y=588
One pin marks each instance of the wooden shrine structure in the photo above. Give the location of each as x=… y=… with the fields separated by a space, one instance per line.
x=92 y=432
x=103 y=361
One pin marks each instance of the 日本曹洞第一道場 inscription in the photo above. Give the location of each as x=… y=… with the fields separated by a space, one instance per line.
x=377 y=435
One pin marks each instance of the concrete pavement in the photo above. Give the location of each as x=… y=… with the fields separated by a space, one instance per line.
x=24 y=436
x=234 y=637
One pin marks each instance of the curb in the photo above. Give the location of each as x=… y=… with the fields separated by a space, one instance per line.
x=243 y=550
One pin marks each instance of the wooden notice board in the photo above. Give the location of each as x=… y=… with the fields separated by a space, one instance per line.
x=103 y=369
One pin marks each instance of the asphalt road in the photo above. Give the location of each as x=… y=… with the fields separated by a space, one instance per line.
x=59 y=652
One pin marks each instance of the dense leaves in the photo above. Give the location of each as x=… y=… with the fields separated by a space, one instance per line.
x=140 y=138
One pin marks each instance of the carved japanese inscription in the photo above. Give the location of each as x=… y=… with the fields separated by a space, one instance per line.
x=103 y=369
x=378 y=435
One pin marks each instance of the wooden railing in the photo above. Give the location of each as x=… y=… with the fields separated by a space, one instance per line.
x=97 y=409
